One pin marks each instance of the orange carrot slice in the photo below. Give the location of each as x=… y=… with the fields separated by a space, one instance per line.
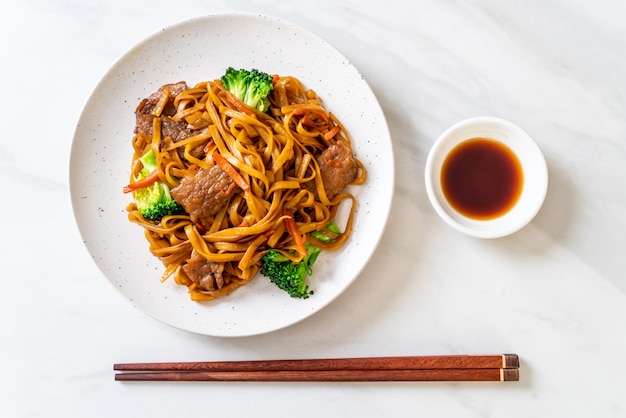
x=149 y=180
x=230 y=170
x=293 y=230
x=238 y=104
x=331 y=134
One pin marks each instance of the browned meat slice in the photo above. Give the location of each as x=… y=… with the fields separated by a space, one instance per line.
x=206 y=274
x=204 y=194
x=143 y=123
x=148 y=104
x=176 y=130
x=169 y=127
x=338 y=168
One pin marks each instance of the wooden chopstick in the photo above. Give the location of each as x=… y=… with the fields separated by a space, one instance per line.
x=500 y=367
x=440 y=375
x=495 y=361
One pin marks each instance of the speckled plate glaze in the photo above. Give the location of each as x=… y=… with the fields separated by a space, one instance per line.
x=196 y=50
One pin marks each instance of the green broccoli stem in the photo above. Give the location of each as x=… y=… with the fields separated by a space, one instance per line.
x=320 y=236
x=149 y=161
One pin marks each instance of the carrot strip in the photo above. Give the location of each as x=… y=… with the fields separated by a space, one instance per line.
x=331 y=134
x=208 y=146
x=149 y=180
x=230 y=170
x=307 y=121
x=293 y=230
x=300 y=111
x=238 y=104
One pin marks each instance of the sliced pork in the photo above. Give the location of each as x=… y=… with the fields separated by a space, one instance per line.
x=170 y=129
x=204 y=194
x=147 y=105
x=206 y=274
x=338 y=168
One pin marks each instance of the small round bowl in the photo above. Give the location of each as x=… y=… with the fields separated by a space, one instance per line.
x=534 y=169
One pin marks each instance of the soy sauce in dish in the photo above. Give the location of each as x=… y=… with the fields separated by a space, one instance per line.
x=482 y=178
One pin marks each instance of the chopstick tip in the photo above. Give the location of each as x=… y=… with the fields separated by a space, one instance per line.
x=510 y=375
x=510 y=361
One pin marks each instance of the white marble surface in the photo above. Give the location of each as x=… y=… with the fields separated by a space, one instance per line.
x=555 y=292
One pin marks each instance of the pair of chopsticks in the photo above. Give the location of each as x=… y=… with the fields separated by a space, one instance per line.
x=497 y=367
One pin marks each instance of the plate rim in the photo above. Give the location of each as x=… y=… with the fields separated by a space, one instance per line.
x=390 y=179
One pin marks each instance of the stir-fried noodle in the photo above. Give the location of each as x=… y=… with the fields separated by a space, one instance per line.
x=273 y=188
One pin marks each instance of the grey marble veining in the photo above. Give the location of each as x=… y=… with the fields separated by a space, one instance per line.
x=554 y=292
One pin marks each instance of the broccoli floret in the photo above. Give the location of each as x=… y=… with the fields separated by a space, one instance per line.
x=288 y=276
x=251 y=87
x=154 y=201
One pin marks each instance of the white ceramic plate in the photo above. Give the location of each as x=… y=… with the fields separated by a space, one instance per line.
x=197 y=50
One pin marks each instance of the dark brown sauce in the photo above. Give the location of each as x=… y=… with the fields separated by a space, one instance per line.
x=482 y=178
